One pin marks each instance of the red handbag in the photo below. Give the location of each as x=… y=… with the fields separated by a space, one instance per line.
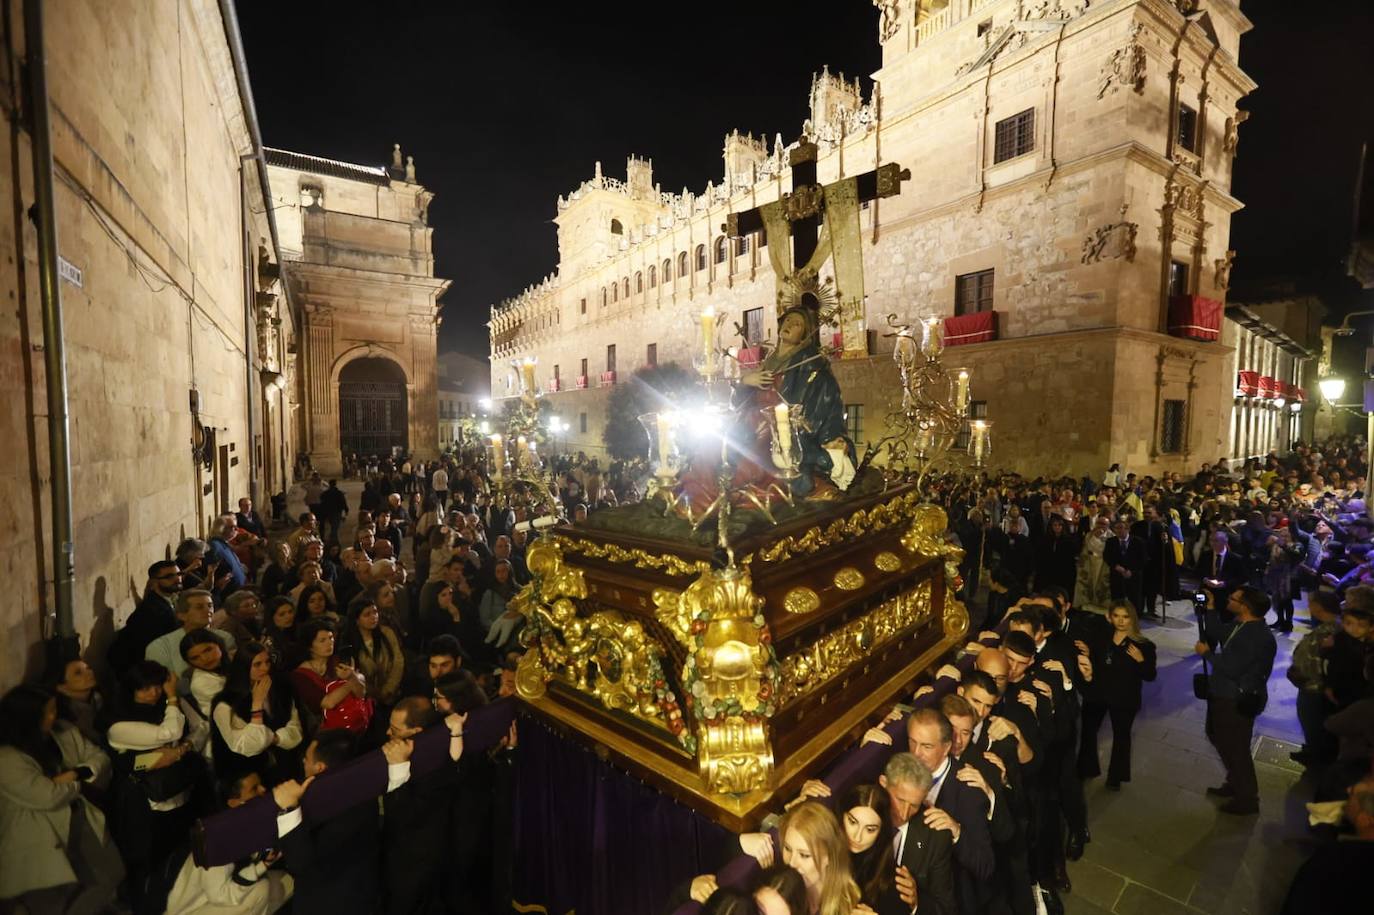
x=354 y=714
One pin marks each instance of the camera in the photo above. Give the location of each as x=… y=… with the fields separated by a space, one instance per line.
x=1200 y=598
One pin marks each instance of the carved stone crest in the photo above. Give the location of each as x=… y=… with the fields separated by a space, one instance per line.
x=1184 y=198
x=1054 y=9
x=1111 y=241
x=1125 y=67
x=1222 y=266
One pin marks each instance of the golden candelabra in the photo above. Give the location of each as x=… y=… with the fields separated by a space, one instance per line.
x=932 y=412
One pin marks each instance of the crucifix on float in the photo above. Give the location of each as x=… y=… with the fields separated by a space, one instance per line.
x=821 y=221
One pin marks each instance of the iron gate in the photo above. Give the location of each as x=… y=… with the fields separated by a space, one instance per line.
x=372 y=417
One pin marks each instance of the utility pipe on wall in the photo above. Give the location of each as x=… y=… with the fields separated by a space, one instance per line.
x=54 y=346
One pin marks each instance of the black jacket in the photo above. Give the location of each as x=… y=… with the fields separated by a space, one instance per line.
x=334 y=863
x=1118 y=677
x=968 y=806
x=929 y=855
x=151 y=619
x=1132 y=559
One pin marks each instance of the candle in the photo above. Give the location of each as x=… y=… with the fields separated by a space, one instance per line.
x=498 y=455
x=904 y=348
x=925 y=438
x=522 y=447
x=708 y=338
x=782 y=415
x=935 y=336
x=527 y=374
x=961 y=391
x=980 y=440
x=665 y=443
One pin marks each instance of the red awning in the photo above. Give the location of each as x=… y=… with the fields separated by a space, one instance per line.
x=979 y=327
x=1268 y=387
x=1248 y=383
x=1194 y=317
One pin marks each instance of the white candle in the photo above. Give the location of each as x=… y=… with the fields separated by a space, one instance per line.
x=935 y=336
x=498 y=454
x=782 y=415
x=925 y=438
x=665 y=442
x=961 y=391
x=979 y=440
x=708 y=338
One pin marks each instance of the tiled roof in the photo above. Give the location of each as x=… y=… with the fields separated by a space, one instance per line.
x=372 y=174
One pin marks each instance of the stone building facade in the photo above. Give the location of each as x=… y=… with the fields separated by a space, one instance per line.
x=464 y=384
x=358 y=260
x=1070 y=162
x=177 y=328
x=1275 y=341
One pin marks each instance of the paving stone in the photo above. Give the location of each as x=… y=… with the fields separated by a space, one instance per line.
x=1141 y=900
x=1094 y=884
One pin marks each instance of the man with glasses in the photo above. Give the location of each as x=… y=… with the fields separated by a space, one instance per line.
x=153 y=617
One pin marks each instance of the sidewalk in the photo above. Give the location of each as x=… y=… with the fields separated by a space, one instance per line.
x=1159 y=847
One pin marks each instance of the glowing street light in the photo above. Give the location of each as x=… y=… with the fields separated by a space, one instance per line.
x=1332 y=388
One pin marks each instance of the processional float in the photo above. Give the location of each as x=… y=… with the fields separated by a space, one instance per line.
x=739 y=628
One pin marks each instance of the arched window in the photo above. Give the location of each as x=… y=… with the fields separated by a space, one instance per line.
x=681 y=264
x=667 y=272
x=742 y=245
x=617 y=228
x=720 y=249
x=653 y=277
x=615 y=292
x=701 y=257
x=626 y=283
x=639 y=281
x=603 y=296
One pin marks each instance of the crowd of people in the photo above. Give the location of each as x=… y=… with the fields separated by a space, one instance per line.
x=260 y=658
x=981 y=802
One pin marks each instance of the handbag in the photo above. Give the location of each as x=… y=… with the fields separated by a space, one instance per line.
x=354 y=714
x=167 y=782
x=1201 y=686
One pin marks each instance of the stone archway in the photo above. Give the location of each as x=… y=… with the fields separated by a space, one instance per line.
x=373 y=406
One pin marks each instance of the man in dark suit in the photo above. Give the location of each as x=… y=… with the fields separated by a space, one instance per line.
x=153 y=617
x=924 y=855
x=1222 y=569
x=1125 y=556
x=415 y=822
x=954 y=806
x=335 y=862
x=249 y=520
x=1160 y=578
x=1338 y=873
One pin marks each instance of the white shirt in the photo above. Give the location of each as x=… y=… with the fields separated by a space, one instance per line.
x=938 y=782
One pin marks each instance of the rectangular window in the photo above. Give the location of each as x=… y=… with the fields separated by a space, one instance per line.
x=1187 y=128
x=582 y=423
x=1174 y=433
x=854 y=421
x=973 y=292
x=584 y=368
x=556 y=379
x=651 y=357
x=984 y=27
x=753 y=326
x=584 y=306
x=977 y=409
x=1178 y=278
x=610 y=358
x=1015 y=136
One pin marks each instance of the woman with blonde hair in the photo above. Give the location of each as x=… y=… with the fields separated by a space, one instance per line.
x=1121 y=665
x=814 y=845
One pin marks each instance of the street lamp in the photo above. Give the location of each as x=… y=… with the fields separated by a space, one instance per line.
x=1332 y=388
x=486 y=404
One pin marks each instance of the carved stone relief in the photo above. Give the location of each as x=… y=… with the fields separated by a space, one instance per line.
x=1125 y=67
x=1222 y=266
x=1231 y=139
x=1111 y=241
x=890 y=11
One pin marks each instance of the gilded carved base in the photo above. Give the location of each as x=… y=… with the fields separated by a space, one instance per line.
x=627 y=640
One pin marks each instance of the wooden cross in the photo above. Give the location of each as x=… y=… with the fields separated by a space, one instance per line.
x=805 y=203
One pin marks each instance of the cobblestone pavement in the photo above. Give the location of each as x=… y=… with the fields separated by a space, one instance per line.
x=1159 y=846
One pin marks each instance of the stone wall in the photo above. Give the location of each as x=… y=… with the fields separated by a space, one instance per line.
x=156 y=209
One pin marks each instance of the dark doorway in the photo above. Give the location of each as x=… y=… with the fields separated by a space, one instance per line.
x=372 y=407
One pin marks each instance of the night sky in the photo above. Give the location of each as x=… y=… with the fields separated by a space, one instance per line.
x=506 y=107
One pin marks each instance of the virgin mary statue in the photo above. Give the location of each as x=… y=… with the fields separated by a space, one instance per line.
x=797 y=373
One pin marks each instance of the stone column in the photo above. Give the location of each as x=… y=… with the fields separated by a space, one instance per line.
x=423 y=418
x=323 y=399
